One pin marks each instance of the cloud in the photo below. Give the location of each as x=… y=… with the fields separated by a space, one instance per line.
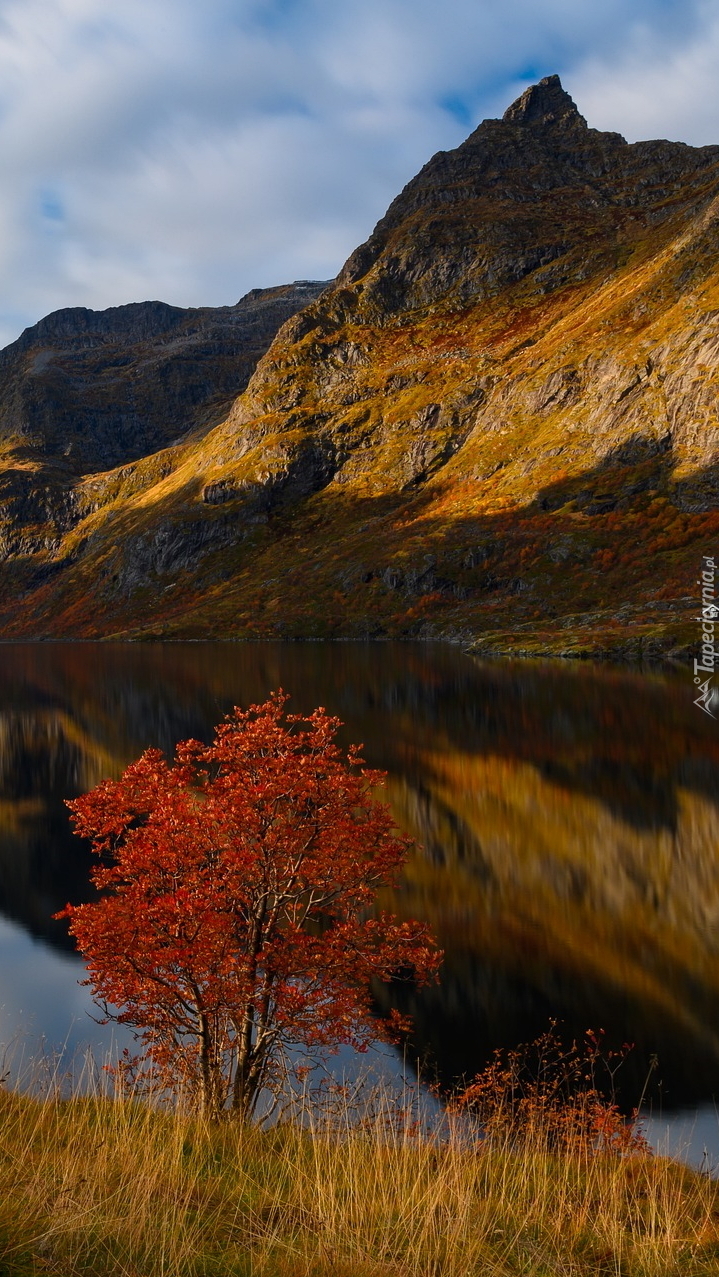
x=654 y=88
x=161 y=148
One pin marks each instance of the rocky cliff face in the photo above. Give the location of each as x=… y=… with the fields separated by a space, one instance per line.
x=84 y=391
x=499 y=422
x=101 y=388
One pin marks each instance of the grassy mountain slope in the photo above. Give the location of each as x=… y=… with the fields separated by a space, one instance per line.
x=499 y=423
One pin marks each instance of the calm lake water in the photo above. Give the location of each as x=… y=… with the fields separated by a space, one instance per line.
x=568 y=818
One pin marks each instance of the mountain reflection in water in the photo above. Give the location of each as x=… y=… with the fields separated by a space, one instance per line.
x=568 y=818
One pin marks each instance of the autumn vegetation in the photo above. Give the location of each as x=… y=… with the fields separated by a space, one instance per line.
x=234 y=923
x=360 y=1186
x=531 y=1168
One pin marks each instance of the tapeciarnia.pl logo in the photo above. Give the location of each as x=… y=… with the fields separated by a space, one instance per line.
x=709 y=614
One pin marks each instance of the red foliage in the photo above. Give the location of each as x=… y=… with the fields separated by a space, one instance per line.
x=556 y=1096
x=235 y=916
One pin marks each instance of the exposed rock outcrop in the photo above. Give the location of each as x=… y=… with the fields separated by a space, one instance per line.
x=97 y=389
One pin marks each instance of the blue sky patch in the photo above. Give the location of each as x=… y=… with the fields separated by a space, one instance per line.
x=51 y=206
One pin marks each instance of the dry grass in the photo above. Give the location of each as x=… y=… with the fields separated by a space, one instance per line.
x=92 y=1185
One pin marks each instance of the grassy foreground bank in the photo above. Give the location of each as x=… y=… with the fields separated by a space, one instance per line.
x=96 y=1186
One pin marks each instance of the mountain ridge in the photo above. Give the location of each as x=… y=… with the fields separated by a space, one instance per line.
x=499 y=423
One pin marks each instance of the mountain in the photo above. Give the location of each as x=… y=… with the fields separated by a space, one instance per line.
x=85 y=391
x=499 y=423
x=101 y=388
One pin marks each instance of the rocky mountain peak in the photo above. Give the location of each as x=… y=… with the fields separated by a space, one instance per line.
x=500 y=416
x=545 y=103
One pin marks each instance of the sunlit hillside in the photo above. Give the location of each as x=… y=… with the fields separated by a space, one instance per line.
x=498 y=424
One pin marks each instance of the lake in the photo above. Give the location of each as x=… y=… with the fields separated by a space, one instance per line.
x=567 y=817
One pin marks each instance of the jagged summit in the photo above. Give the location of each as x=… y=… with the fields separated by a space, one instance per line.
x=545 y=103
x=537 y=190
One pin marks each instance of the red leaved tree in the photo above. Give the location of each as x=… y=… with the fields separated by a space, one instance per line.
x=236 y=885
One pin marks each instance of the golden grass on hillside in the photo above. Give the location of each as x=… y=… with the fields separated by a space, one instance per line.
x=98 y=1186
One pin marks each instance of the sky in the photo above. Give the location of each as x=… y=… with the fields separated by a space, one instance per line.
x=190 y=150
